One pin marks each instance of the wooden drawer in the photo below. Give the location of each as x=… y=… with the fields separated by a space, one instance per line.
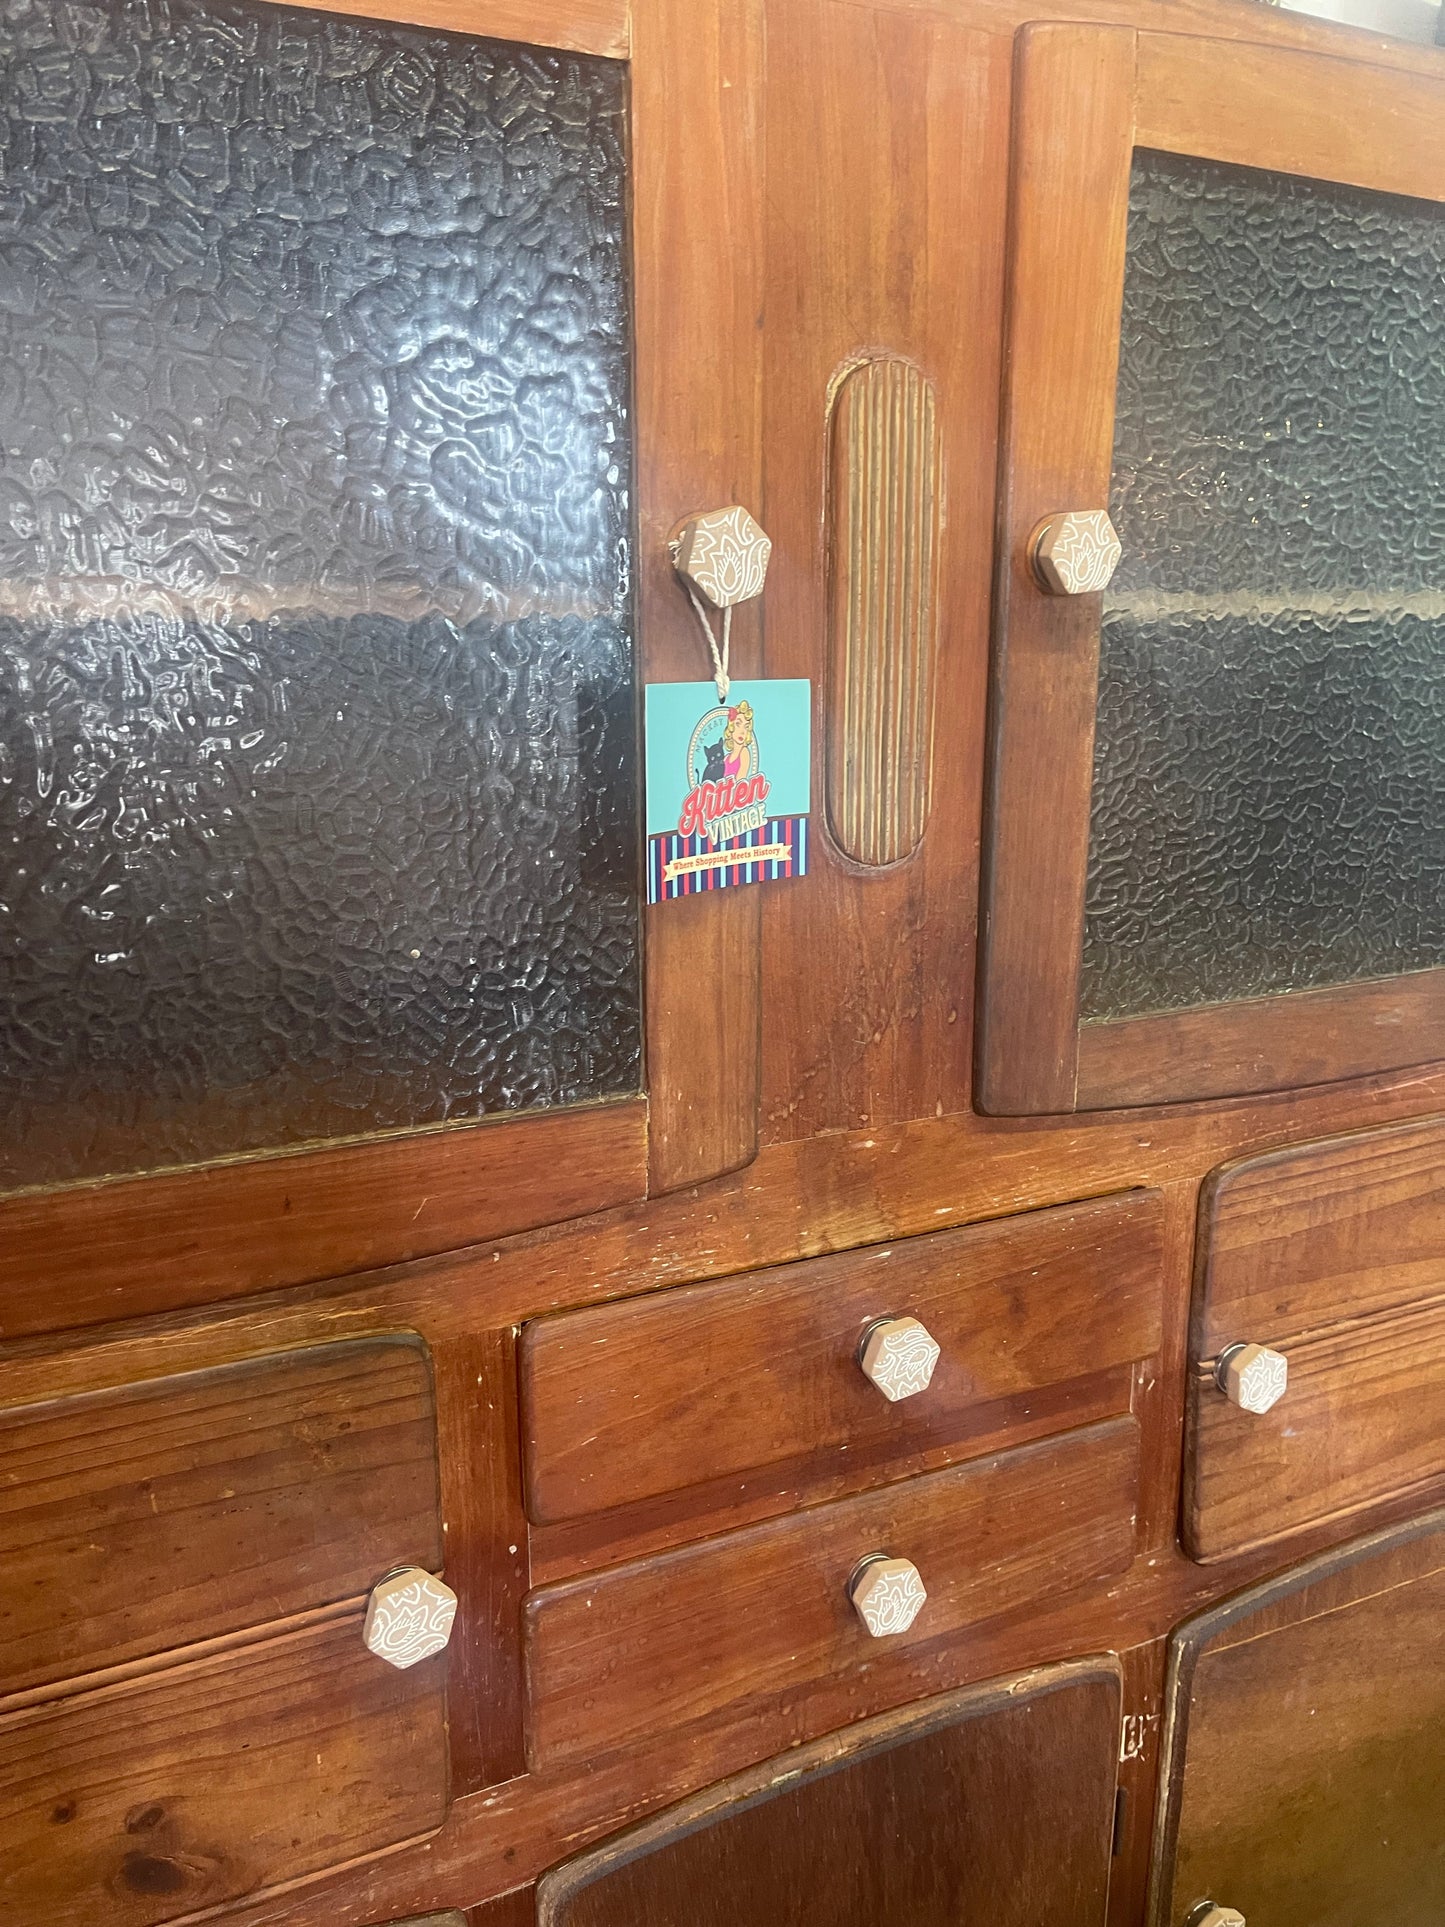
x=1332 y=1255
x=708 y=1383
x=1363 y=1420
x=154 y=1797
x=1321 y=1232
x=744 y=1620
x=137 y=1520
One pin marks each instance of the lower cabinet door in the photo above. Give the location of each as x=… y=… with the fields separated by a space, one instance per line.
x=993 y=1804
x=1304 y=1750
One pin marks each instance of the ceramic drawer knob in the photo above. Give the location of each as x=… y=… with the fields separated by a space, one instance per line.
x=887 y=1594
x=1211 y=1914
x=898 y=1356
x=1075 y=552
x=1252 y=1376
x=409 y=1616
x=723 y=554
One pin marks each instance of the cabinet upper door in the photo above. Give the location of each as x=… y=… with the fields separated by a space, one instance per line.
x=355 y=372
x=1226 y=308
x=996 y=1803
x=1304 y=1751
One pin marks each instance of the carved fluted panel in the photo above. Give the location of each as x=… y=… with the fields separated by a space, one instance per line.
x=884 y=505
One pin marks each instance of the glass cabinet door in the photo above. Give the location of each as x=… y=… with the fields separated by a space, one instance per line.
x=1246 y=833
x=317 y=800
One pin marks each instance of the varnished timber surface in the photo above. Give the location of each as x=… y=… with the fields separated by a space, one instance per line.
x=138 y=1802
x=875 y=252
x=997 y=1801
x=156 y=1515
x=1265 y=1043
x=625 y=1402
x=1364 y=1417
x=747 y=1619
x=697 y=80
x=578 y=26
x=1317 y=1233
x=1072 y=144
x=1305 y=1766
x=1293 y=112
x=98 y=1251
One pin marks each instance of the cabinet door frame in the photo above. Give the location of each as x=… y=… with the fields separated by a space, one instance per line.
x=1345 y=1575
x=815 y=1760
x=1086 y=97
x=134 y=1244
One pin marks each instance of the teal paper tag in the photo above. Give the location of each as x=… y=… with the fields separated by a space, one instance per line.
x=729 y=785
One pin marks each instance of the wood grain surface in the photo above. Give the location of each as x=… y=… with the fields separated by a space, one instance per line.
x=1363 y=1418
x=697 y=207
x=995 y=1803
x=93 y=1252
x=1307 y=1236
x=625 y=1402
x=156 y=1515
x=1072 y=144
x=750 y=1618
x=206 y=1780
x=1304 y=1767
x=1277 y=1043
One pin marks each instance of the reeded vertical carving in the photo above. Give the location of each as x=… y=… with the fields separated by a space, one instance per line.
x=884 y=503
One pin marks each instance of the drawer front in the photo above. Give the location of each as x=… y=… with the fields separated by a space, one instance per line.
x=628 y=1401
x=1362 y=1420
x=1301 y=1238
x=139 y=1520
x=757 y=1614
x=139 y=1802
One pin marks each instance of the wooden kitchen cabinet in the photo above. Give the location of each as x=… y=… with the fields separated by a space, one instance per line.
x=389 y=1197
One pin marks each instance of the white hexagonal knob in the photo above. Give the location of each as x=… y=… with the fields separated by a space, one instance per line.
x=1252 y=1376
x=887 y=1594
x=898 y=1355
x=1211 y=1914
x=723 y=554
x=409 y=1616
x=1075 y=552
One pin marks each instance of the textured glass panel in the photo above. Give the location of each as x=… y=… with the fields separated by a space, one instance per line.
x=316 y=713
x=1269 y=787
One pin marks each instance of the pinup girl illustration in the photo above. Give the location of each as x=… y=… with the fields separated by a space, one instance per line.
x=739 y=742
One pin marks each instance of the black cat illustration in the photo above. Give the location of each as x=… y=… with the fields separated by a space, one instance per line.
x=713 y=770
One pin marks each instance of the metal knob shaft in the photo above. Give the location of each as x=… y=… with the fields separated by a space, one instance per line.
x=1211 y=1914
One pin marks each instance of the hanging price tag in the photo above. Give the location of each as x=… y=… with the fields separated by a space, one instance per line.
x=729 y=784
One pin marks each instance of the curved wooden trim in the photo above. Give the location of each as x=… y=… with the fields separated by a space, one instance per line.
x=1277 y=1043
x=84 y=1254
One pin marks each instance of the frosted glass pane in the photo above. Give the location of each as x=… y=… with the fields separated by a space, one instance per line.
x=1269 y=788
x=316 y=710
